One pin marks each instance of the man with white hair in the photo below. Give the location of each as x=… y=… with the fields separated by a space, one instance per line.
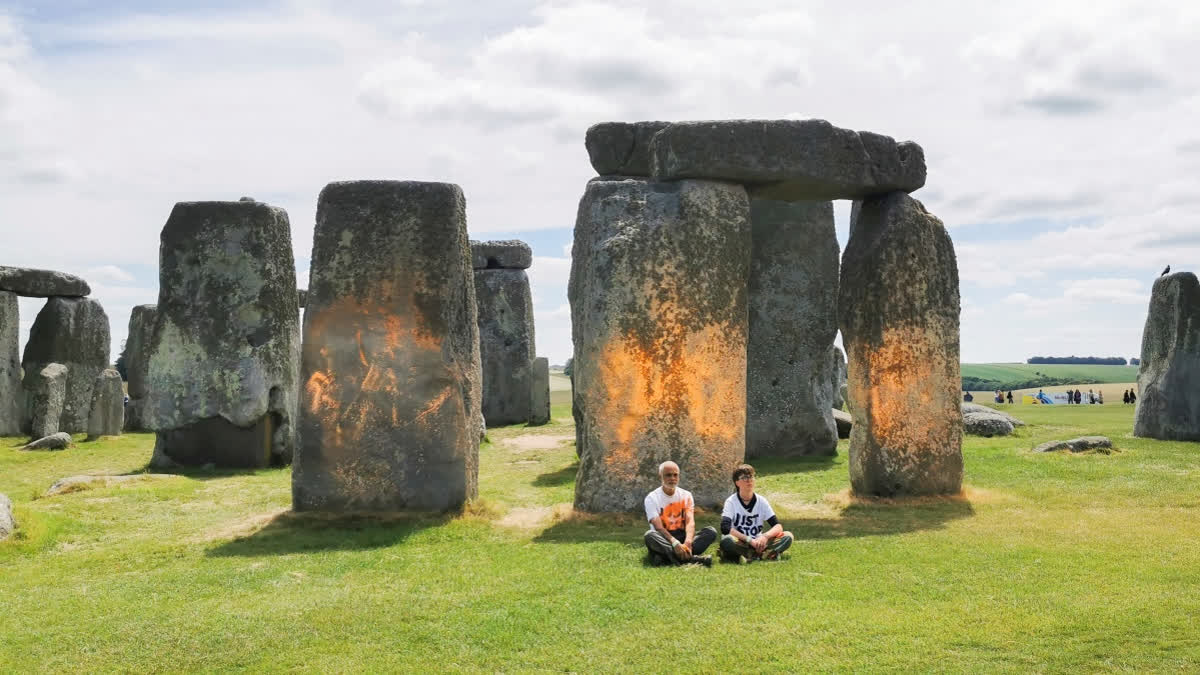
x=671 y=512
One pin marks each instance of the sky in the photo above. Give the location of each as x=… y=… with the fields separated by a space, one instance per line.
x=1061 y=138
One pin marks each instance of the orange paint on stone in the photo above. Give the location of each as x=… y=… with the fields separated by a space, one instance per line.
x=392 y=347
x=905 y=389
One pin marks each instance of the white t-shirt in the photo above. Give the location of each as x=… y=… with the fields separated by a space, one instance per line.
x=748 y=521
x=673 y=509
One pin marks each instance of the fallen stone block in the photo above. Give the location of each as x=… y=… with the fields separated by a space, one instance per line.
x=844 y=422
x=78 y=483
x=788 y=159
x=975 y=407
x=1100 y=444
x=986 y=424
x=59 y=441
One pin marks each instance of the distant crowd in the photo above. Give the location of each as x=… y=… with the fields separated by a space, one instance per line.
x=1077 y=397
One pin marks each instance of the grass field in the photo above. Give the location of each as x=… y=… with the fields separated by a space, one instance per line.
x=1047 y=563
x=1003 y=372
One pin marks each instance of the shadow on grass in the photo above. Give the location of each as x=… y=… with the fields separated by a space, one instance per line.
x=767 y=466
x=555 y=478
x=861 y=518
x=203 y=473
x=291 y=532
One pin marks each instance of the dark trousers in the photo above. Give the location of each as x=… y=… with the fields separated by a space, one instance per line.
x=662 y=546
x=732 y=548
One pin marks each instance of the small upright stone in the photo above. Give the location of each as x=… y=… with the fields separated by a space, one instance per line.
x=899 y=309
x=788 y=159
x=621 y=148
x=108 y=398
x=793 y=320
x=34 y=283
x=506 y=342
x=539 y=391
x=11 y=396
x=45 y=391
x=659 y=323
x=1168 y=406
x=501 y=254
x=75 y=333
x=137 y=363
x=390 y=411
x=224 y=354
x=839 y=377
x=7 y=523
x=302 y=296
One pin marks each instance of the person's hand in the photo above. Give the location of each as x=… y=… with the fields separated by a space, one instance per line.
x=759 y=543
x=682 y=551
x=688 y=543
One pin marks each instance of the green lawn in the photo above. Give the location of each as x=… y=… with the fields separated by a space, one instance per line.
x=1011 y=372
x=1049 y=563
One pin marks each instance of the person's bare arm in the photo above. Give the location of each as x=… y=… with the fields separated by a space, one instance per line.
x=658 y=526
x=689 y=528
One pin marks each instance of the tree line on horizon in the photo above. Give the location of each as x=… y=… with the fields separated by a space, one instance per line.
x=1084 y=360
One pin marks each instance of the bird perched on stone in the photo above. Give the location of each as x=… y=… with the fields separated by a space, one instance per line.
x=1168 y=269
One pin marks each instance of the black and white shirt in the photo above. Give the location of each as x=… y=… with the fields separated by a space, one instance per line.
x=748 y=518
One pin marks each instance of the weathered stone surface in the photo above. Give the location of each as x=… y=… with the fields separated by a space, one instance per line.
x=391 y=403
x=79 y=483
x=503 y=254
x=107 y=415
x=788 y=159
x=224 y=354
x=137 y=348
x=75 y=333
x=621 y=148
x=986 y=424
x=302 y=296
x=45 y=391
x=137 y=364
x=1168 y=406
x=33 y=283
x=899 y=309
x=975 y=407
x=844 y=423
x=1100 y=444
x=56 y=441
x=506 y=344
x=839 y=376
x=793 y=320
x=659 y=323
x=539 y=391
x=8 y=524
x=12 y=397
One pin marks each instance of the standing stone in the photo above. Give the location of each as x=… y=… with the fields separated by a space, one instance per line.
x=34 y=283
x=390 y=410
x=898 y=309
x=7 y=523
x=1168 y=407
x=137 y=363
x=506 y=342
x=839 y=376
x=793 y=320
x=45 y=391
x=11 y=397
x=223 y=358
x=107 y=415
x=788 y=159
x=539 y=391
x=75 y=333
x=659 y=323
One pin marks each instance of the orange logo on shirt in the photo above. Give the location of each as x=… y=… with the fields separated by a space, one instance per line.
x=673 y=515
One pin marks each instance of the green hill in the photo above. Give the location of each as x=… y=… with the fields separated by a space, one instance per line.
x=988 y=376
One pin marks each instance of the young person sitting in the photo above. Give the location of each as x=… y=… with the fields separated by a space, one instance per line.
x=748 y=524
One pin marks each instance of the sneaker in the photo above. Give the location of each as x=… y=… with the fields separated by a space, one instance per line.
x=770 y=555
x=705 y=560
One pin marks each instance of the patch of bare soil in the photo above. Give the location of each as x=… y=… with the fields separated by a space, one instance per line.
x=536 y=441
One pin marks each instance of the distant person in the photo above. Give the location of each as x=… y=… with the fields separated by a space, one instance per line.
x=672 y=515
x=748 y=523
x=1010 y=398
x=967 y=397
x=1100 y=396
x=1132 y=397
x=1125 y=397
x=999 y=397
x=1091 y=397
x=1070 y=397
x=1078 y=397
